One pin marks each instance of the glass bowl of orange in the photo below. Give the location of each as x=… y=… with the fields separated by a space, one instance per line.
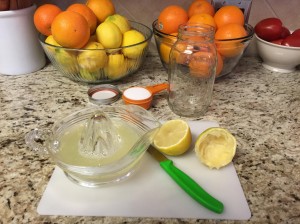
x=96 y=63
x=229 y=51
x=232 y=33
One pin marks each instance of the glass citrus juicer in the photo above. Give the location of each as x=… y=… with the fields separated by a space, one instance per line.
x=97 y=146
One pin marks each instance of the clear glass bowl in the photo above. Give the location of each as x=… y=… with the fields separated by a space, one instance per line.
x=65 y=143
x=65 y=60
x=232 y=49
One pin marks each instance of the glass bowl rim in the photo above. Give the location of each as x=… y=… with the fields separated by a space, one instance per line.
x=248 y=27
x=42 y=39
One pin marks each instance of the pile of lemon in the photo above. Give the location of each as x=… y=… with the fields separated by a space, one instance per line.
x=97 y=30
x=215 y=147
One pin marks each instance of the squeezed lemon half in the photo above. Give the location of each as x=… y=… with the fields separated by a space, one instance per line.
x=215 y=147
x=173 y=138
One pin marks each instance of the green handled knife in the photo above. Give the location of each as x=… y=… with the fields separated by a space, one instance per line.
x=187 y=183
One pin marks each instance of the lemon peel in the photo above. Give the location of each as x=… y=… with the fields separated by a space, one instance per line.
x=215 y=147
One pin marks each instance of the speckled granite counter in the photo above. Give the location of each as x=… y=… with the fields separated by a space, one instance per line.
x=261 y=108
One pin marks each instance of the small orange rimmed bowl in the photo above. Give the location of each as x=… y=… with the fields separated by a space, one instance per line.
x=230 y=51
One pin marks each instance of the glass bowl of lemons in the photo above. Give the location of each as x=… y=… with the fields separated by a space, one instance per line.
x=104 y=58
x=229 y=51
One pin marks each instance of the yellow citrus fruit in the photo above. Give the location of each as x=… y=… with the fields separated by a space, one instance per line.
x=67 y=60
x=50 y=40
x=166 y=45
x=109 y=35
x=215 y=147
x=116 y=66
x=165 y=50
x=173 y=138
x=133 y=37
x=120 y=21
x=92 y=60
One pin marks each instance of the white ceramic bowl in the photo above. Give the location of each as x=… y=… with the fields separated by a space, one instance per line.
x=276 y=57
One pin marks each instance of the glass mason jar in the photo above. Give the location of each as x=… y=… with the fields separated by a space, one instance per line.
x=191 y=75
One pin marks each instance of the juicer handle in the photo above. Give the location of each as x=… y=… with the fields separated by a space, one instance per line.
x=36 y=138
x=157 y=88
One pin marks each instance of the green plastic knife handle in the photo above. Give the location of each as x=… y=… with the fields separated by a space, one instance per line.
x=191 y=187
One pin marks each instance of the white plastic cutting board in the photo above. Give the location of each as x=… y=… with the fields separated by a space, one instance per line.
x=150 y=192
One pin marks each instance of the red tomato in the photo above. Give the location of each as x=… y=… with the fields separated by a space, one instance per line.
x=284 y=32
x=269 y=29
x=296 y=32
x=291 y=41
x=278 y=41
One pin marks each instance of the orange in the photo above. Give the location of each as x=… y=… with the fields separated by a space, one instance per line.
x=197 y=7
x=203 y=18
x=230 y=31
x=44 y=16
x=87 y=13
x=70 y=29
x=230 y=48
x=170 y=18
x=202 y=64
x=229 y=14
x=220 y=64
x=101 y=8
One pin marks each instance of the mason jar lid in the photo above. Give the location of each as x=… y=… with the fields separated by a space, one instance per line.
x=103 y=94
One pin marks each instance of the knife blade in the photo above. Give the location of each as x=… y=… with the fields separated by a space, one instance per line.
x=186 y=183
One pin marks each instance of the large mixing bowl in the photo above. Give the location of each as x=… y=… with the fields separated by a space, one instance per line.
x=230 y=51
x=99 y=65
x=97 y=146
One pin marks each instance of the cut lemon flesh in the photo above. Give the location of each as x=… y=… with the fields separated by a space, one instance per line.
x=215 y=147
x=173 y=138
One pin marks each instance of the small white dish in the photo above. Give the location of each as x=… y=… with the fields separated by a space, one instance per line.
x=278 y=58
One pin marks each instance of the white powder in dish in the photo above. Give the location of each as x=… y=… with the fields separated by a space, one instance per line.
x=137 y=93
x=103 y=94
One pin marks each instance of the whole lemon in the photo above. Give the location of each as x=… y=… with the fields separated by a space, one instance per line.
x=50 y=40
x=133 y=37
x=109 y=35
x=92 y=60
x=67 y=60
x=120 y=21
x=116 y=66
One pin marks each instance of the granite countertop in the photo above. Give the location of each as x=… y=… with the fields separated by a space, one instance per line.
x=261 y=108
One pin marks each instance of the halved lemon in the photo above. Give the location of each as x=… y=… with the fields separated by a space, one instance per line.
x=215 y=147
x=173 y=138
